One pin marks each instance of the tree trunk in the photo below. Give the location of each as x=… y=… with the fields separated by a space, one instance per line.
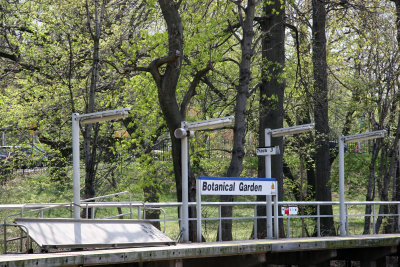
x=271 y=94
x=387 y=173
x=396 y=178
x=167 y=84
x=322 y=155
x=239 y=129
x=90 y=145
x=371 y=187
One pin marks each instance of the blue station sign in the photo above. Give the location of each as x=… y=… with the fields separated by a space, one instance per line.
x=237 y=186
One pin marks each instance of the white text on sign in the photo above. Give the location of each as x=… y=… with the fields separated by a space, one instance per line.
x=238 y=187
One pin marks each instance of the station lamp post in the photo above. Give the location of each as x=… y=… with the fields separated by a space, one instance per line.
x=345 y=139
x=186 y=131
x=275 y=151
x=86 y=119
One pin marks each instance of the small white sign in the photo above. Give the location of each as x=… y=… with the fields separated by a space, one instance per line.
x=237 y=186
x=266 y=151
x=289 y=210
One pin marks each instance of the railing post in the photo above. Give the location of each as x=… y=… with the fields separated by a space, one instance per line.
x=220 y=224
x=347 y=219
x=21 y=232
x=398 y=217
x=198 y=211
x=5 y=236
x=318 y=221
x=130 y=205
x=341 y=185
x=255 y=223
x=288 y=226
x=276 y=215
x=373 y=219
x=267 y=142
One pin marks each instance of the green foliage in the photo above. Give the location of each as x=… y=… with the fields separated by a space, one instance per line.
x=47 y=75
x=35 y=188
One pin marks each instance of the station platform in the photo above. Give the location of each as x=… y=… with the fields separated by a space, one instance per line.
x=370 y=249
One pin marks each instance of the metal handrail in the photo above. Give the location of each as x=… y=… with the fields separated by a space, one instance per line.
x=18 y=238
x=161 y=209
x=89 y=200
x=62 y=205
x=141 y=206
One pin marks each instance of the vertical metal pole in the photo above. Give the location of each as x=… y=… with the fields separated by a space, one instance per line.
x=5 y=236
x=198 y=210
x=398 y=218
x=373 y=219
x=76 y=167
x=21 y=232
x=255 y=223
x=347 y=219
x=220 y=224
x=276 y=213
x=318 y=221
x=130 y=206
x=185 y=189
x=398 y=205
x=341 y=185
x=267 y=143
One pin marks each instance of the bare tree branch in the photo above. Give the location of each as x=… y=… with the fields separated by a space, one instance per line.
x=193 y=85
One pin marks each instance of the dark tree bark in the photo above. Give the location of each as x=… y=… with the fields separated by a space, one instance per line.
x=371 y=185
x=242 y=94
x=396 y=195
x=396 y=178
x=271 y=94
x=389 y=160
x=322 y=155
x=167 y=82
x=90 y=132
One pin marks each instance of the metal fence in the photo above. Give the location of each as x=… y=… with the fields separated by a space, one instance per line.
x=244 y=217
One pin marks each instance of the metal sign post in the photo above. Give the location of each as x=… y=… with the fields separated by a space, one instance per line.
x=268 y=174
x=183 y=133
x=85 y=119
x=235 y=186
x=267 y=152
x=342 y=140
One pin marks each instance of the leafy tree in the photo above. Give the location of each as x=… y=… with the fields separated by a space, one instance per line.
x=272 y=90
x=322 y=155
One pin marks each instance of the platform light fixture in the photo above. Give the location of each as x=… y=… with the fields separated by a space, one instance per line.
x=342 y=140
x=208 y=124
x=269 y=133
x=104 y=116
x=364 y=136
x=292 y=130
x=86 y=119
x=186 y=131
